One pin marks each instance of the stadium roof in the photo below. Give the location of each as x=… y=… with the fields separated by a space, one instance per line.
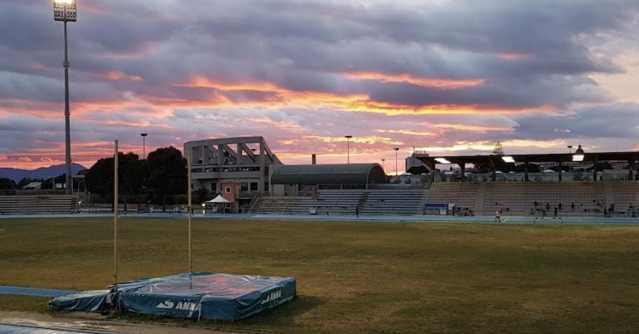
x=522 y=158
x=328 y=174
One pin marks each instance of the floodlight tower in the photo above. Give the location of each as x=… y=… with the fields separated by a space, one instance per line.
x=66 y=11
x=396 y=149
x=144 y=135
x=348 y=149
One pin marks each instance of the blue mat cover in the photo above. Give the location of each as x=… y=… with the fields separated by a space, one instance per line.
x=86 y=301
x=195 y=296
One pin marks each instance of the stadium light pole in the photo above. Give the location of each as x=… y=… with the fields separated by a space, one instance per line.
x=144 y=135
x=66 y=11
x=348 y=149
x=189 y=210
x=115 y=212
x=396 y=152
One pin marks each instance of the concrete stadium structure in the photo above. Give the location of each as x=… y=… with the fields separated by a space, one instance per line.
x=246 y=171
x=238 y=168
x=245 y=160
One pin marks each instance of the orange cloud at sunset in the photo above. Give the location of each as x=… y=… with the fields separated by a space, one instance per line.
x=473 y=128
x=119 y=76
x=487 y=146
x=282 y=97
x=355 y=140
x=408 y=133
x=414 y=80
x=84 y=153
x=513 y=56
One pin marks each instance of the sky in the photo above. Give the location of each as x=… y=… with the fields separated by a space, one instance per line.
x=445 y=77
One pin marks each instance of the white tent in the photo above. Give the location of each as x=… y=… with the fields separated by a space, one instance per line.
x=218 y=200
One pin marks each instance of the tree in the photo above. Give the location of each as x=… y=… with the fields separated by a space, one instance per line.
x=132 y=175
x=167 y=173
x=99 y=178
x=7 y=184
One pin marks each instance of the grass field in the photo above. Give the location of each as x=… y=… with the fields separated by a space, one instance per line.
x=360 y=277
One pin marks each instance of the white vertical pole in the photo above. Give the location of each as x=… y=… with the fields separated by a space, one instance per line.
x=67 y=117
x=189 y=209
x=348 y=151
x=115 y=213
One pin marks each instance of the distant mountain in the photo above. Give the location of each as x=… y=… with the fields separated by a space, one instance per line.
x=40 y=173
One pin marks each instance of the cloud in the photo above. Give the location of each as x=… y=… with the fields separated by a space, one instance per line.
x=609 y=121
x=305 y=73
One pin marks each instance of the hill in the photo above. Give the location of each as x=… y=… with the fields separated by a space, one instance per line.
x=40 y=173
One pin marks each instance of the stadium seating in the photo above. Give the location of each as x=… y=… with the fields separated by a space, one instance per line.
x=519 y=198
x=393 y=202
x=347 y=202
x=37 y=204
x=515 y=199
x=463 y=195
x=335 y=202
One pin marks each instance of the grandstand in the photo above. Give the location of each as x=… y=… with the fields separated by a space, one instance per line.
x=38 y=204
x=347 y=202
x=518 y=199
x=329 y=202
x=575 y=184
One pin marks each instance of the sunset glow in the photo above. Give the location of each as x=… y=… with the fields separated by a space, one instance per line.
x=414 y=80
x=411 y=77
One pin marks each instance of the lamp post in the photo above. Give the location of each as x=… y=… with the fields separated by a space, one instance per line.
x=66 y=11
x=143 y=135
x=396 y=150
x=348 y=149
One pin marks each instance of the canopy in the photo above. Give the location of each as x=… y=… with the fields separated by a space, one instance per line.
x=219 y=200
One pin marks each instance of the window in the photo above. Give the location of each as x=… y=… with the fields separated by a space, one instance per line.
x=244 y=187
x=253 y=186
x=227 y=189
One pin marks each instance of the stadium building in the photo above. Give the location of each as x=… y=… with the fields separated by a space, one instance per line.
x=582 y=183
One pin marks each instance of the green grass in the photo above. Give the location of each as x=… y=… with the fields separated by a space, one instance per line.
x=359 y=277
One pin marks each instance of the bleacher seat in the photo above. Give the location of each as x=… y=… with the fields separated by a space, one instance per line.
x=517 y=199
x=347 y=202
x=37 y=204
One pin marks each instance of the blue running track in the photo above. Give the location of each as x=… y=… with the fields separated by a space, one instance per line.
x=32 y=292
x=25 y=329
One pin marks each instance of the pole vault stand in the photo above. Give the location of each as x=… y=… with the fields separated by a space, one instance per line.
x=207 y=296
x=197 y=296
